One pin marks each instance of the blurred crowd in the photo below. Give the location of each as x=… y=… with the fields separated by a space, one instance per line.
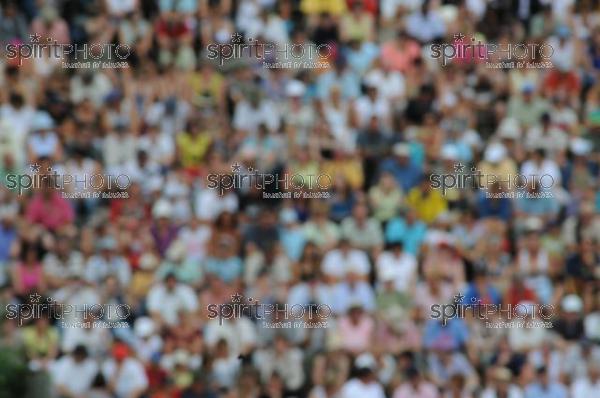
x=382 y=119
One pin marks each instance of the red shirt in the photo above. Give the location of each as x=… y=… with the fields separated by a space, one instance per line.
x=514 y=296
x=558 y=81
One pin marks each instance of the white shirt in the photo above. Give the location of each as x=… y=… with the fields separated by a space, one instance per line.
x=159 y=147
x=585 y=388
x=145 y=348
x=400 y=268
x=131 y=376
x=239 y=334
x=339 y=264
x=346 y=295
x=338 y=121
x=99 y=267
x=390 y=85
x=169 y=303
x=195 y=241
x=355 y=388
x=592 y=325
x=15 y=125
x=273 y=30
x=94 y=339
x=389 y=8
x=209 y=203
x=247 y=118
x=366 y=109
x=77 y=378
x=513 y=392
x=425 y=27
x=43 y=145
x=547 y=166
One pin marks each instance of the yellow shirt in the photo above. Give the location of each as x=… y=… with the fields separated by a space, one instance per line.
x=350 y=169
x=206 y=89
x=501 y=172
x=428 y=207
x=193 y=149
x=314 y=7
x=357 y=29
x=36 y=345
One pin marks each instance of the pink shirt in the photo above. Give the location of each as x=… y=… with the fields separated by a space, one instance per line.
x=52 y=214
x=30 y=277
x=356 y=338
x=59 y=30
x=400 y=60
x=425 y=390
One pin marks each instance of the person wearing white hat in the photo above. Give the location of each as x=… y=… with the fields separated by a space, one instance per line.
x=148 y=342
x=43 y=142
x=108 y=262
x=496 y=166
x=296 y=112
x=569 y=324
x=509 y=129
x=365 y=383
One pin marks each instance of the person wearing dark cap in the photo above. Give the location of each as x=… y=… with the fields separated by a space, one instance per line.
x=74 y=374
x=543 y=387
x=481 y=290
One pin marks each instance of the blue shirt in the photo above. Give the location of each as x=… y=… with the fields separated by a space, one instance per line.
x=411 y=236
x=488 y=207
x=407 y=176
x=552 y=390
x=538 y=206
x=473 y=295
x=293 y=241
x=7 y=237
x=348 y=82
x=455 y=332
x=417 y=153
x=226 y=269
x=360 y=60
